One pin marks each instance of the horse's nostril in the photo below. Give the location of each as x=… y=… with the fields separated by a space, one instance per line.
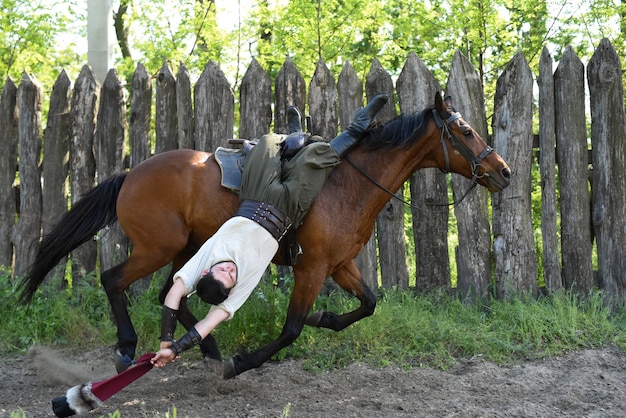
x=506 y=173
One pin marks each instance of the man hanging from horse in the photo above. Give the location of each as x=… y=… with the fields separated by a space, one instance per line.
x=280 y=180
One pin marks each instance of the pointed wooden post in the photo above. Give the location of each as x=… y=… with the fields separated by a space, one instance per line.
x=416 y=87
x=473 y=255
x=608 y=138
x=572 y=157
x=390 y=221
x=515 y=267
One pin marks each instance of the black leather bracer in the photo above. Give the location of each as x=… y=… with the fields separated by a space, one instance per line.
x=169 y=319
x=187 y=341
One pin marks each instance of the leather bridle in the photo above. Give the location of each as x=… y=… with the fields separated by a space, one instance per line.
x=474 y=161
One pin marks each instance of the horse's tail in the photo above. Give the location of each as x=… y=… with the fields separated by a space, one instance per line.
x=94 y=211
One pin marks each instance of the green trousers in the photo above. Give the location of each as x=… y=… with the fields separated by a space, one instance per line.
x=292 y=187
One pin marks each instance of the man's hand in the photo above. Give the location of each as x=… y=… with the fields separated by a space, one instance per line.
x=164 y=355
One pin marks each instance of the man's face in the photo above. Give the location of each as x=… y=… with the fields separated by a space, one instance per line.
x=226 y=273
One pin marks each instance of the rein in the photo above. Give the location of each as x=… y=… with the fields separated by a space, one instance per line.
x=474 y=161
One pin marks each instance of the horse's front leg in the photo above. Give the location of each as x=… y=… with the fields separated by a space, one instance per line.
x=305 y=291
x=350 y=279
x=126 y=335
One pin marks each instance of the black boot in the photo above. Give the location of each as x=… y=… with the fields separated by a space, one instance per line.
x=362 y=118
x=294 y=120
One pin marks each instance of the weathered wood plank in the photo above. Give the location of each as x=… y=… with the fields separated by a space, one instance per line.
x=255 y=98
x=323 y=102
x=28 y=228
x=82 y=160
x=110 y=147
x=186 y=125
x=515 y=267
x=571 y=151
x=56 y=149
x=547 y=166
x=416 y=88
x=473 y=254
x=289 y=90
x=140 y=116
x=350 y=93
x=8 y=168
x=608 y=138
x=166 y=115
x=390 y=221
x=214 y=110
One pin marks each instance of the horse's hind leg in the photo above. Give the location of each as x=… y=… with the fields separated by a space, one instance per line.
x=114 y=285
x=349 y=278
x=115 y=281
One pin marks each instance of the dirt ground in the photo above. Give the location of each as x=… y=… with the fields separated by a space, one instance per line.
x=587 y=383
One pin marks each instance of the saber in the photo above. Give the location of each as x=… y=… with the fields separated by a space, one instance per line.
x=83 y=398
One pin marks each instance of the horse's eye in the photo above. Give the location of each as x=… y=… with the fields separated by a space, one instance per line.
x=467 y=133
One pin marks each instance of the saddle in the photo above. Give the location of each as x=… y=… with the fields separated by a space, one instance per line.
x=231 y=162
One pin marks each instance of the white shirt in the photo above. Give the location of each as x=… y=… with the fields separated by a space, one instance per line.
x=233 y=242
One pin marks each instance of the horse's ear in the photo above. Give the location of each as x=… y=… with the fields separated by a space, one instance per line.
x=448 y=101
x=438 y=103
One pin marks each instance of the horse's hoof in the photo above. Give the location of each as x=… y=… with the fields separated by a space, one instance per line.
x=229 y=370
x=215 y=366
x=314 y=319
x=122 y=362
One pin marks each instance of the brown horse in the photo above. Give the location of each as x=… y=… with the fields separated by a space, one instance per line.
x=171 y=203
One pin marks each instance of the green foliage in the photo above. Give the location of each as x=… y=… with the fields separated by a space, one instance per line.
x=406 y=329
x=79 y=317
x=159 y=32
x=29 y=35
x=43 y=38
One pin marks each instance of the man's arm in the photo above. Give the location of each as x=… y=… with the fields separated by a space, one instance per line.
x=203 y=328
x=176 y=293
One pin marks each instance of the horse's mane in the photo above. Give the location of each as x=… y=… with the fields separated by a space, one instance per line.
x=399 y=132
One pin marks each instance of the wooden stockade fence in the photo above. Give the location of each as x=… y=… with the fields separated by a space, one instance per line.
x=88 y=127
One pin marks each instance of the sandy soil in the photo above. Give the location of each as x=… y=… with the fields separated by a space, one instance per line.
x=587 y=383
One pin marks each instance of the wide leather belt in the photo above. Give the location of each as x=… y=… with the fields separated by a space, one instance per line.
x=266 y=215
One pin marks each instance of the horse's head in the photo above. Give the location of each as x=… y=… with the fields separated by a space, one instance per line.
x=465 y=152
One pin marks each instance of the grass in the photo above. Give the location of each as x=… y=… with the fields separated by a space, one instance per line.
x=407 y=330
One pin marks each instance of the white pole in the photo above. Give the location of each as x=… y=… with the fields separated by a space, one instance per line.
x=100 y=39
